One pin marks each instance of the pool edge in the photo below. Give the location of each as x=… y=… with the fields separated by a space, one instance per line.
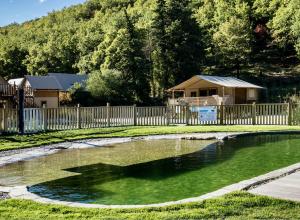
x=21 y=192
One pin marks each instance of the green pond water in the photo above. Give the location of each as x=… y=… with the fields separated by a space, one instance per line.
x=154 y=171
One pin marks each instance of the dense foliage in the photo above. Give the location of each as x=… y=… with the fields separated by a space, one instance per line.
x=149 y=45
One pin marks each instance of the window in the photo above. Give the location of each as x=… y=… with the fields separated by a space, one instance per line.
x=208 y=92
x=43 y=103
x=251 y=94
x=202 y=92
x=212 y=92
x=193 y=94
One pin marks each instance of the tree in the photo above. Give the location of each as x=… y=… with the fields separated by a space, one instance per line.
x=122 y=51
x=11 y=59
x=89 y=37
x=233 y=42
x=58 y=54
x=178 y=49
x=160 y=66
x=108 y=86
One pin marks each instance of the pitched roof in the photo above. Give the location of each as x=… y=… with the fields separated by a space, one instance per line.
x=66 y=80
x=55 y=81
x=43 y=82
x=230 y=82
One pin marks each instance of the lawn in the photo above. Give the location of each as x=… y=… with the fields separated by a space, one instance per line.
x=238 y=205
x=9 y=142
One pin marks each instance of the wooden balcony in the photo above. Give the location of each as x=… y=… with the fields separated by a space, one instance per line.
x=202 y=101
x=7 y=91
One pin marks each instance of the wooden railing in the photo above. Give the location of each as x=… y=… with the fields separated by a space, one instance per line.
x=7 y=90
x=202 y=101
x=49 y=119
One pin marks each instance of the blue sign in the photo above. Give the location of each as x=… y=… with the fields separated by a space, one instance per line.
x=206 y=113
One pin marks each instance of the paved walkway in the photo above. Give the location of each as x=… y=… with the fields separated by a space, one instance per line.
x=287 y=187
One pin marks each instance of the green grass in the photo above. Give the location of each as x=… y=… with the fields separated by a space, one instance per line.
x=10 y=142
x=238 y=205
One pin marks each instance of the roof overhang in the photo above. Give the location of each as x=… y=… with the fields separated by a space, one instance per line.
x=227 y=82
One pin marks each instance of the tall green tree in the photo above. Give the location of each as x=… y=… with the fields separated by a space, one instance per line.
x=160 y=67
x=178 y=50
x=233 y=42
x=122 y=50
x=11 y=59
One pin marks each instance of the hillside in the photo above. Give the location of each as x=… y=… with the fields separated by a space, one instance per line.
x=141 y=47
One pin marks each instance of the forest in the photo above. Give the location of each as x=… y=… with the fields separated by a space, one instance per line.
x=133 y=50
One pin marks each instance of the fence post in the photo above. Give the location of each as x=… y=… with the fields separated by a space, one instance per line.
x=253 y=113
x=45 y=118
x=187 y=114
x=290 y=113
x=21 y=111
x=108 y=114
x=134 y=115
x=78 y=117
x=4 y=118
x=168 y=114
x=222 y=114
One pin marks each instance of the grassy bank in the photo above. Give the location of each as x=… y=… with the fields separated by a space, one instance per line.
x=10 y=142
x=238 y=205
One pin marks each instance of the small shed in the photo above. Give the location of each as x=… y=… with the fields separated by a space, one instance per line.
x=214 y=90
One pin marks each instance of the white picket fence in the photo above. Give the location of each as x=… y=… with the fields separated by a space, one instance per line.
x=67 y=118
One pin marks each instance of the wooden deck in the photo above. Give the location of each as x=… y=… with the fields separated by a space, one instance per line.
x=287 y=187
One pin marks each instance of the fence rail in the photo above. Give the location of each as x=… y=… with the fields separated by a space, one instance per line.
x=67 y=118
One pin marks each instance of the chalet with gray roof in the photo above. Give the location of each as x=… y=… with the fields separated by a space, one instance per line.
x=214 y=90
x=48 y=90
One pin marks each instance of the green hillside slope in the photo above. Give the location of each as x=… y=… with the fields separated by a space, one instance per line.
x=142 y=47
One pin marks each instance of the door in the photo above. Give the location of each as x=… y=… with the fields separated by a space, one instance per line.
x=240 y=96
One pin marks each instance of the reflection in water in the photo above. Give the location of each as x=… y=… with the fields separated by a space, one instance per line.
x=154 y=171
x=55 y=166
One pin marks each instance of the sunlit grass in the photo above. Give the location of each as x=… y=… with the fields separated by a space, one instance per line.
x=238 y=205
x=24 y=141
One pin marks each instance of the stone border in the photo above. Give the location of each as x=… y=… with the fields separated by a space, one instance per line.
x=21 y=192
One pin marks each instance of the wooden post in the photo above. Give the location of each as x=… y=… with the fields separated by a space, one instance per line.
x=253 y=113
x=21 y=111
x=4 y=119
x=134 y=115
x=108 y=114
x=168 y=115
x=78 y=116
x=290 y=113
x=187 y=114
x=222 y=114
x=45 y=118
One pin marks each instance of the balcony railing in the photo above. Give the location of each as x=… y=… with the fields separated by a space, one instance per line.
x=7 y=90
x=202 y=101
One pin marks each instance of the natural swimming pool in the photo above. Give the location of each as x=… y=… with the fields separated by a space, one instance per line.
x=152 y=171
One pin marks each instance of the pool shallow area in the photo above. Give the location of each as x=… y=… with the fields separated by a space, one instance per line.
x=152 y=171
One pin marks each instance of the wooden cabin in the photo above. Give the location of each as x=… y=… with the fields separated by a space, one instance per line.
x=206 y=90
x=47 y=90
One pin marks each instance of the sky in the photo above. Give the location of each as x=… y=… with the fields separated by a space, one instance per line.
x=23 y=10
